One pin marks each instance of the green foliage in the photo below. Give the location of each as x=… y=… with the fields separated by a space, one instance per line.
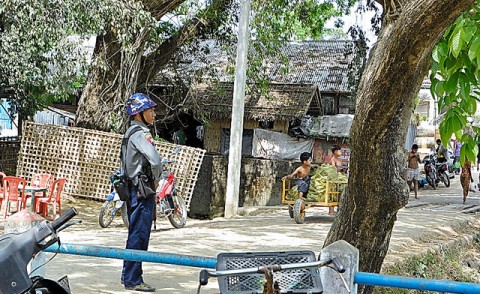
x=455 y=79
x=278 y=20
x=450 y=264
x=41 y=57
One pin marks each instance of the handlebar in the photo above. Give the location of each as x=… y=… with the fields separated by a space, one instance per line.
x=64 y=218
x=205 y=274
x=336 y=262
x=16 y=251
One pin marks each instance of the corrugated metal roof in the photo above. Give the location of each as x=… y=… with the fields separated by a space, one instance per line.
x=323 y=63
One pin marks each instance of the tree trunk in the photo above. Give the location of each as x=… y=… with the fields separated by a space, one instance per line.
x=99 y=105
x=392 y=78
x=112 y=78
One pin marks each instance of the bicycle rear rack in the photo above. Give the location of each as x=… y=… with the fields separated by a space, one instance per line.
x=288 y=281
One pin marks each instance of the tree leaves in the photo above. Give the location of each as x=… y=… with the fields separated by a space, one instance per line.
x=455 y=79
x=41 y=52
x=456 y=41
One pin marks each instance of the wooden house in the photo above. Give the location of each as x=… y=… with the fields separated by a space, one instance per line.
x=272 y=110
x=316 y=80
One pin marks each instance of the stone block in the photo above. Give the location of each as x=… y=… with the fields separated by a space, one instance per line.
x=349 y=257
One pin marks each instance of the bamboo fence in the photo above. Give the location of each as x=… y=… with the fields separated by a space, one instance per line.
x=87 y=158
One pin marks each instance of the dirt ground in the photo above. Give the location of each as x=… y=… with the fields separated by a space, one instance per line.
x=437 y=220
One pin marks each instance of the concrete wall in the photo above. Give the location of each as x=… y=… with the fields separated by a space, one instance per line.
x=212 y=137
x=260 y=184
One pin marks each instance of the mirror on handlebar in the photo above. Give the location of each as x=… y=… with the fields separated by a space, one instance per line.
x=177 y=150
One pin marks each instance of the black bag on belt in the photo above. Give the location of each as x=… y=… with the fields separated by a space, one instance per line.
x=144 y=187
x=120 y=183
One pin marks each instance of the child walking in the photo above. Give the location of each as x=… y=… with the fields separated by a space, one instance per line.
x=466 y=178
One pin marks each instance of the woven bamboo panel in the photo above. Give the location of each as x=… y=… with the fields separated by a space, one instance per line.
x=86 y=158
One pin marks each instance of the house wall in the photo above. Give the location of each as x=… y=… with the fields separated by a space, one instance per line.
x=212 y=133
x=346 y=105
x=49 y=117
x=9 y=146
x=260 y=184
x=334 y=103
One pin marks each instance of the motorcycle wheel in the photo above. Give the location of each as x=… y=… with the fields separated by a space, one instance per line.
x=432 y=183
x=105 y=217
x=178 y=217
x=446 y=180
x=126 y=222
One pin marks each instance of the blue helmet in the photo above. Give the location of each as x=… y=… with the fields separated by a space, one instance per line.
x=138 y=102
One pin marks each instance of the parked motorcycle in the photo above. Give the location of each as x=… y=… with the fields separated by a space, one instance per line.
x=442 y=173
x=112 y=206
x=436 y=171
x=430 y=170
x=168 y=203
x=16 y=251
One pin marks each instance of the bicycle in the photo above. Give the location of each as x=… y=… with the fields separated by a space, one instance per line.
x=271 y=273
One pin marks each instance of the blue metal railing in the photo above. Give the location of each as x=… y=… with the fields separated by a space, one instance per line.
x=415 y=283
x=135 y=255
x=207 y=262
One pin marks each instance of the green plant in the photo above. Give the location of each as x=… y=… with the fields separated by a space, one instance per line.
x=448 y=264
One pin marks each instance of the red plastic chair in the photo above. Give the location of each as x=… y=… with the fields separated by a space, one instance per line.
x=41 y=203
x=2 y=175
x=12 y=194
x=42 y=180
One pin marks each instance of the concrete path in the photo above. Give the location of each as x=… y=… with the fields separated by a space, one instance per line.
x=434 y=219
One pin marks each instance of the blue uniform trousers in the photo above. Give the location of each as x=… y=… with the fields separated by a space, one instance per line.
x=140 y=214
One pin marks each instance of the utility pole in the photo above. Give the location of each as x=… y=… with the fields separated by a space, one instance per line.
x=236 y=125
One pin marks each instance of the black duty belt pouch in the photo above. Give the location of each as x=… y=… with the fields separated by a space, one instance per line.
x=120 y=183
x=144 y=189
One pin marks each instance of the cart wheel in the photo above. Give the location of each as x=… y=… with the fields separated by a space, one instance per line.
x=290 y=210
x=299 y=211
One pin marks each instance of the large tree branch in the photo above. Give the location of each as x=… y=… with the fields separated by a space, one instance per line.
x=159 y=8
x=152 y=63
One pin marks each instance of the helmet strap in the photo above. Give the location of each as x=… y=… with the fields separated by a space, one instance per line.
x=143 y=119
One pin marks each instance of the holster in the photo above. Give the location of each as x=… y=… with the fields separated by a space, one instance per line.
x=145 y=188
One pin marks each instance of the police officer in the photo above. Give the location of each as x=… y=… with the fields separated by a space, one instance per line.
x=140 y=157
